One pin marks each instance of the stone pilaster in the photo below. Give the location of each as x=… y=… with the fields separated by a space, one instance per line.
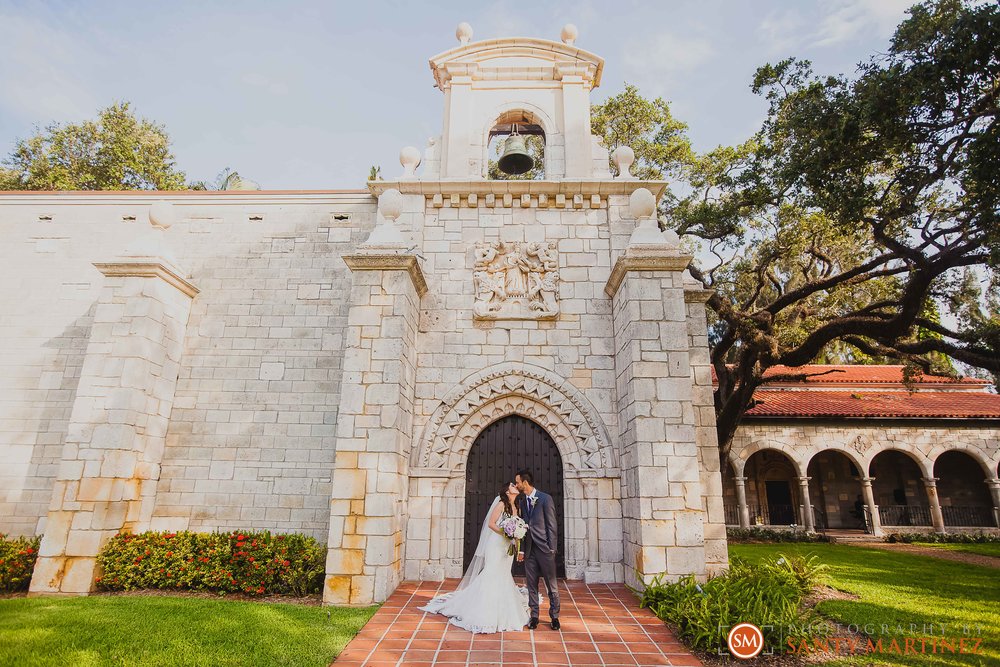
x=375 y=422
x=110 y=465
x=662 y=491
x=706 y=435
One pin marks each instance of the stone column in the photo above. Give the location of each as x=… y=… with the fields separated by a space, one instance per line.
x=807 y=509
x=866 y=491
x=662 y=496
x=741 y=501
x=110 y=465
x=370 y=477
x=937 y=517
x=994 y=485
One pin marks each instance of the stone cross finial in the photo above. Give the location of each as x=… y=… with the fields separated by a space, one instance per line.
x=463 y=32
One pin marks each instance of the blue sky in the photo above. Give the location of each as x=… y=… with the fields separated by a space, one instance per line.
x=308 y=95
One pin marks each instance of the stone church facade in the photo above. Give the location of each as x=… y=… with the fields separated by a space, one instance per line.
x=325 y=362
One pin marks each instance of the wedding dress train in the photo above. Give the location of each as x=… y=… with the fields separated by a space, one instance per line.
x=487 y=599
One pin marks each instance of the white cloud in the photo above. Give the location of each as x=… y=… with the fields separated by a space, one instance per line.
x=851 y=19
x=838 y=23
x=655 y=63
x=41 y=78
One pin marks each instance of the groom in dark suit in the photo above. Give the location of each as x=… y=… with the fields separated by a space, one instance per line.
x=538 y=548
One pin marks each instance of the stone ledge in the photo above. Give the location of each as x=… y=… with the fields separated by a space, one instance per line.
x=645 y=258
x=388 y=261
x=587 y=189
x=150 y=267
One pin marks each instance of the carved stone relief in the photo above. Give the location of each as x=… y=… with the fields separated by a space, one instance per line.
x=516 y=280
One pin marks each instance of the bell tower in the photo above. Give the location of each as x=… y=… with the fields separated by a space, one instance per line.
x=544 y=82
x=554 y=299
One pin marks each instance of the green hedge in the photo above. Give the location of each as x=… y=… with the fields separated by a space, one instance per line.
x=772 y=535
x=17 y=561
x=253 y=563
x=937 y=538
x=768 y=594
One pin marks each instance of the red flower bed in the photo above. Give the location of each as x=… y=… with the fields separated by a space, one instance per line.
x=253 y=563
x=17 y=560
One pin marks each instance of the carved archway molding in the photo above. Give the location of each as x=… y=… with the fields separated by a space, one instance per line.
x=516 y=388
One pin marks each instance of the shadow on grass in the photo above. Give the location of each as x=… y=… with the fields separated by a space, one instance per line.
x=172 y=631
x=906 y=593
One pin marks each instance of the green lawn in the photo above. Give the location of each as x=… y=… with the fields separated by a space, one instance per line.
x=897 y=589
x=171 y=631
x=984 y=549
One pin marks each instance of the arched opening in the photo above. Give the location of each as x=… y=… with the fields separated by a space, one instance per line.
x=501 y=449
x=899 y=490
x=835 y=492
x=962 y=491
x=771 y=488
x=530 y=128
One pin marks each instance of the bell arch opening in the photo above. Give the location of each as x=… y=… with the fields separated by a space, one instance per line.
x=501 y=449
x=516 y=139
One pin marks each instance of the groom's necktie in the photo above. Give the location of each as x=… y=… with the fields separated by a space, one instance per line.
x=531 y=506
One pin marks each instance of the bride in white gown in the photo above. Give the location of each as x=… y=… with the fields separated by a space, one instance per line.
x=487 y=599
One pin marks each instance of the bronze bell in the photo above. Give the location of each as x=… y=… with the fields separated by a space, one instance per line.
x=515 y=159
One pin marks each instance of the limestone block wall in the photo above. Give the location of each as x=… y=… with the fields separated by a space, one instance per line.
x=368 y=508
x=663 y=503
x=570 y=356
x=111 y=459
x=251 y=434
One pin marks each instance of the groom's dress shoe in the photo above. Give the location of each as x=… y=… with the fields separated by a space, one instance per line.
x=555 y=623
x=532 y=624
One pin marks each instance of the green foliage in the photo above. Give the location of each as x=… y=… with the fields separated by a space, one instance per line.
x=767 y=593
x=771 y=535
x=949 y=538
x=662 y=148
x=374 y=173
x=862 y=208
x=253 y=563
x=17 y=561
x=117 y=151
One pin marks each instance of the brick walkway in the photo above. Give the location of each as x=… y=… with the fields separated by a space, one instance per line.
x=602 y=624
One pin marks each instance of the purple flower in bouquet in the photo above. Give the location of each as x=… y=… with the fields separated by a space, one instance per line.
x=515 y=529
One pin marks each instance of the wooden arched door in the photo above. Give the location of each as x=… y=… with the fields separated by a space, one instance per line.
x=507 y=445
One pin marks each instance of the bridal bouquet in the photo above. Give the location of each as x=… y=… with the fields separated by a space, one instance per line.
x=515 y=528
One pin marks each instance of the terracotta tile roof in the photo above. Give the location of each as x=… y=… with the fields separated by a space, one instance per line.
x=864 y=374
x=859 y=374
x=905 y=405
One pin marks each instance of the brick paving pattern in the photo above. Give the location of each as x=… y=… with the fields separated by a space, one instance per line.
x=602 y=624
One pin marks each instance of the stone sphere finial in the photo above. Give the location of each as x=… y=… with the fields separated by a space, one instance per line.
x=569 y=34
x=623 y=158
x=390 y=204
x=463 y=32
x=409 y=157
x=161 y=214
x=641 y=204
